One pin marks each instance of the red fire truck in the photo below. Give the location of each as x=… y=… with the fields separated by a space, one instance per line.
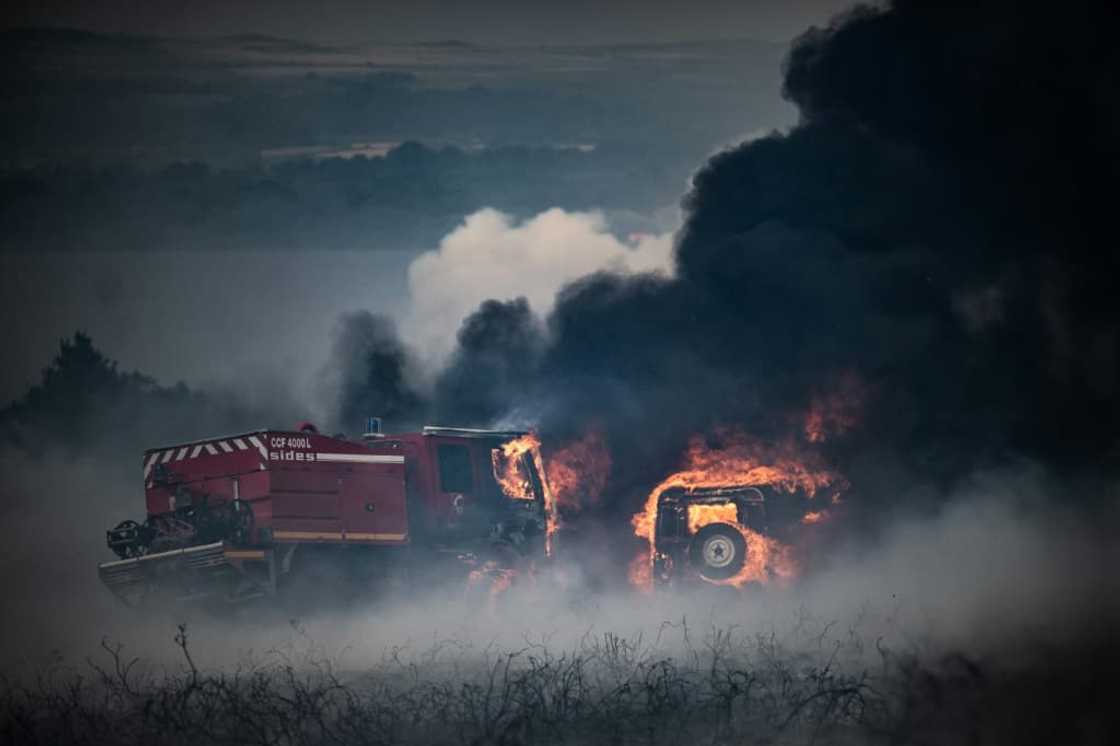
x=243 y=516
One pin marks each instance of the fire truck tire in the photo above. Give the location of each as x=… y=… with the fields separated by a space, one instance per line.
x=718 y=551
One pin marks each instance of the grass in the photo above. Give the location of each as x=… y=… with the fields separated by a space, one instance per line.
x=721 y=687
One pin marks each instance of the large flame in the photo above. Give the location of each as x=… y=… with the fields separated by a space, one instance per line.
x=702 y=515
x=511 y=469
x=739 y=461
x=578 y=472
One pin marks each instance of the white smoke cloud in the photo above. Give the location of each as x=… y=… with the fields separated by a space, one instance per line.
x=491 y=255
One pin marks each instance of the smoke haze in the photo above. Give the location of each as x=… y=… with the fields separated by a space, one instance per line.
x=929 y=245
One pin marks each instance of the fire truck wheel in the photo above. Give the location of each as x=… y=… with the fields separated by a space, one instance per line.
x=718 y=551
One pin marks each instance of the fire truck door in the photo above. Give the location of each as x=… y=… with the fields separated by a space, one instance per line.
x=373 y=503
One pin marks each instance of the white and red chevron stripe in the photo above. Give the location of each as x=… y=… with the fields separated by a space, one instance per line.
x=194 y=450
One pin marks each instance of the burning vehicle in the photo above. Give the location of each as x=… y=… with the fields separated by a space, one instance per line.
x=247 y=516
x=705 y=532
x=712 y=521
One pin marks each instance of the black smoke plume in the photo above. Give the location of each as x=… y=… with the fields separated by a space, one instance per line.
x=937 y=226
x=377 y=376
x=497 y=353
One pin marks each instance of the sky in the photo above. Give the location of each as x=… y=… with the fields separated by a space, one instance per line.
x=274 y=213
x=506 y=22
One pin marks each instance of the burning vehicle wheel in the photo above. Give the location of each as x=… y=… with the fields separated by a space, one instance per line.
x=718 y=551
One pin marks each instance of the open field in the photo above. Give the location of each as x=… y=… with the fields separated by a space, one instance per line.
x=809 y=683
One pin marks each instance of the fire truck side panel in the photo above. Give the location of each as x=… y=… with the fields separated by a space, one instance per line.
x=372 y=498
x=304 y=499
x=430 y=510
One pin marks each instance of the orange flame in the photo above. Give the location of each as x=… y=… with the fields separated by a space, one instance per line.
x=502 y=580
x=814 y=516
x=512 y=473
x=701 y=515
x=498 y=579
x=578 y=472
x=510 y=469
x=641 y=572
x=740 y=461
